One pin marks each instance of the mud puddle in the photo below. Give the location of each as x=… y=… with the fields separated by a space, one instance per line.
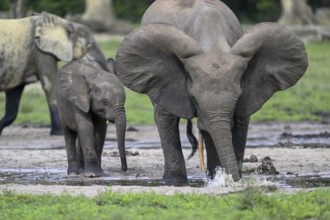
x=304 y=181
x=59 y=177
x=31 y=160
x=313 y=135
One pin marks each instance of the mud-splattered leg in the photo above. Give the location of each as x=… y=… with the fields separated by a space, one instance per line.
x=13 y=98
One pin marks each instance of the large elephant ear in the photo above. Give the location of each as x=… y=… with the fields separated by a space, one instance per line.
x=148 y=61
x=73 y=86
x=52 y=35
x=278 y=60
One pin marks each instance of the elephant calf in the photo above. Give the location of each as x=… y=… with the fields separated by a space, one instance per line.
x=30 y=49
x=87 y=98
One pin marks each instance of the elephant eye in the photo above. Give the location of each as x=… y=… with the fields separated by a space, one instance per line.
x=104 y=102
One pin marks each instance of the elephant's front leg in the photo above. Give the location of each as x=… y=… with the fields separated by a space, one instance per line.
x=13 y=98
x=74 y=165
x=47 y=71
x=240 y=131
x=168 y=128
x=213 y=160
x=87 y=140
x=100 y=129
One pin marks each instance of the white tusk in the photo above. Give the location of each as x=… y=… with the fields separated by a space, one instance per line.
x=201 y=150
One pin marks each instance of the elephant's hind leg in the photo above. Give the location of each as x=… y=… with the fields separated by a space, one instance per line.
x=168 y=128
x=13 y=98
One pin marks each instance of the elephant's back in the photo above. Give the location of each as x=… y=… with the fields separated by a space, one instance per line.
x=210 y=22
x=16 y=44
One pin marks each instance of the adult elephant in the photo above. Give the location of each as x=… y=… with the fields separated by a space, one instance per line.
x=29 y=51
x=192 y=59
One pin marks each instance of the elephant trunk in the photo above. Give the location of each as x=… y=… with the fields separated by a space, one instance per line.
x=220 y=131
x=120 y=121
x=97 y=55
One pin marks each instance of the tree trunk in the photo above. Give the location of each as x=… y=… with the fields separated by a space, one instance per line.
x=323 y=15
x=99 y=14
x=297 y=12
x=17 y=9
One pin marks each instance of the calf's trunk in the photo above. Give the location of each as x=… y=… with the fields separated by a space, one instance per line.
x=120 y=121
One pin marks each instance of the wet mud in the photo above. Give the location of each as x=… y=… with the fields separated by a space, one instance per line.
x=300 y=154
x=58 y=177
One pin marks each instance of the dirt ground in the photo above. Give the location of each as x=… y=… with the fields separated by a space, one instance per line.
x=31 y=161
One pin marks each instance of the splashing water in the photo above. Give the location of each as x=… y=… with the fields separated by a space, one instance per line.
x=222 y=179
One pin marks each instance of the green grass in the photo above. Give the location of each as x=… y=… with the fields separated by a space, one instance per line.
x=304 y=101
x=251 y=204
x=309 y=97
x=110 y=47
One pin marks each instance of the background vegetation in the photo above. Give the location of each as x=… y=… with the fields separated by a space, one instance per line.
x=308 y=100
x=248 y=11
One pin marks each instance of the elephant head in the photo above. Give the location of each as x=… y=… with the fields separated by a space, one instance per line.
x=99 y=92
x=86 y=46
x=66 y=40
x=175 y=72
x=54 y=35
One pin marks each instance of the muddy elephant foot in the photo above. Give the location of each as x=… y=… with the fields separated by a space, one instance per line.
x=211 y=173
x=74 y=169
x=175 y=180
x=56 y=131
x=93 y=172
x=73 y=172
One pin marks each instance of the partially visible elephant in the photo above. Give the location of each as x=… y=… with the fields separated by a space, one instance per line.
x=29 y=51
x=87 y=97
x=192 y=59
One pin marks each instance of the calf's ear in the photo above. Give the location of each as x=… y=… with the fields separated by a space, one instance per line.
x=110 y=64
x=74 y=85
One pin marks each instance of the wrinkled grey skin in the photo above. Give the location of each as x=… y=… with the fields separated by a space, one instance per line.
x=29 y=51
x=192 y=59
x=87 y=97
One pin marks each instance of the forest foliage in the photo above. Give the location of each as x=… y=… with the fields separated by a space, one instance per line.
x=249 y=11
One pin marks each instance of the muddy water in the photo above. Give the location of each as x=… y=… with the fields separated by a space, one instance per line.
x=302 y=135
x=146 y=137
x=260 y=135
x=59 y=177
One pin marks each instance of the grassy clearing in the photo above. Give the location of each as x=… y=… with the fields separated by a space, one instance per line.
x=309 y=97
x=251 y=204
x=305 y=101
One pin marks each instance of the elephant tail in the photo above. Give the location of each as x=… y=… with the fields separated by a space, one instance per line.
x=192 y=139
